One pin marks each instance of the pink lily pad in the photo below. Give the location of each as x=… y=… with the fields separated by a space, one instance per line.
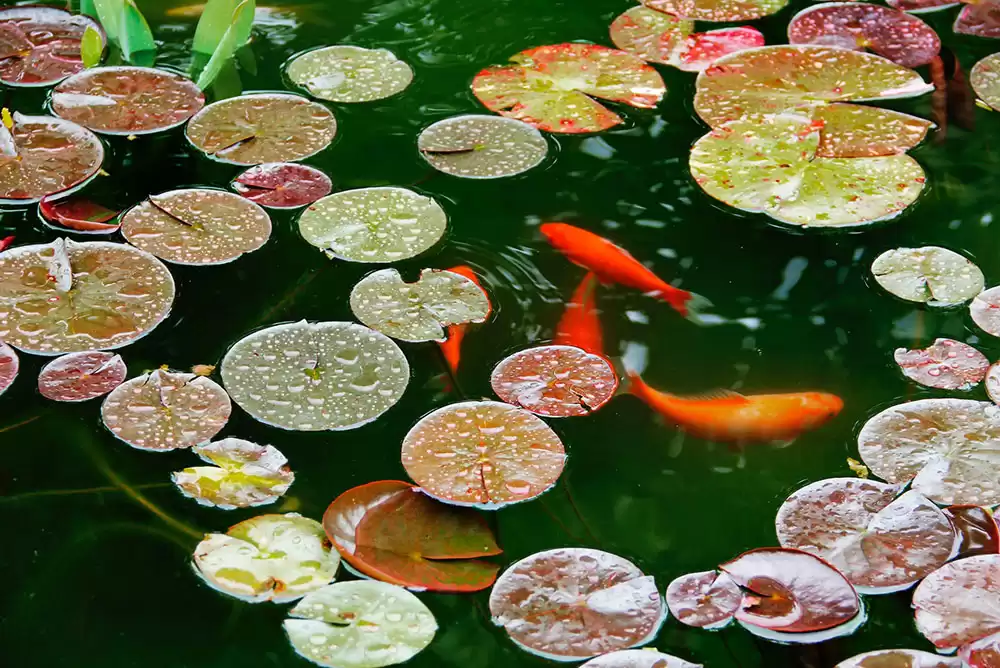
x=976 y=529
x=705 y=600
x=9 y=366
x=983 y=653
x=78 y=214
x=41 y=45
x=553 y=87
x=921 y=6
x=283 y=185
x=985 y=81
x=980 y=19
x=639 y=658
x=899 y=658
x=985 y=310
x=946 y=365
x=81 y=376
x=992 y=383
x=717 y=10
x=960 y=602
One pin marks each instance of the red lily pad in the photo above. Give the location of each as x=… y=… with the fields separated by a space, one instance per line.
x=639 y=658
x=81 y=376
x=983 y=653
x=553 y=87
x=960 y=602
x=9 y=366
x=78 y=214
x=41 y=45
x=976 y=529
x=985 y=81
x=717 y=10
x=902 y=38
x=283 y=185
x=390 y=531
x=899 y=658
x=980 y=19
x=921 y=6
x=946 y=365
x=705 y=600
x=483 y=453
x=574 y=603
x=791 y=591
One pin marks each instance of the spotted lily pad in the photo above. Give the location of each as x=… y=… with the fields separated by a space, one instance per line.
x=81 y=376
x=383 y=224
x=930 y=274
x=899 y=658
x=985 y=80
x=245 y=474
x=770 y=165
x=947 y=449
x=360 y=624
x=314 y=376
x=960 y=602
x=985 y=310
x=553 y=87
x=657 y=37
x=78 y=214
x=717 y=10
x=262 y=127
x=349 y=73
x=574 y=603
x=421 y=310
x=41 y=45
x=482 y=147
x=983 y=653
x=127 y=100
x=9 y=366
x=283 y=185
x=946 y=364
x=275 y=558
x=197 y=226
x=976 y=529
x=705 y=600
x=639 y=658
x=483 y=453
x=69 y=297
x=992 y=383
x=921 y=6
x=980 y=19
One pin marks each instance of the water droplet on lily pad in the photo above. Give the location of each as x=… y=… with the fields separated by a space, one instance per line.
x=482 y=147
x=960 y=602
x=349 y=73
x=946 y=364
x=283 y=185
x=717 y=10
x=899 y=658
x=245 y=475
x=985 y=310
x=921 y=6
x=555 y=381
x=81 y=376
x=985 y=80
x=930 y=274
x=41 y=45
x=639 y=658
x=9 y=366
x=704 y=600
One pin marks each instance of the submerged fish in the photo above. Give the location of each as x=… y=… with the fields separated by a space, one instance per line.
x=580 y=325
x=451 y=348
x=195 y=10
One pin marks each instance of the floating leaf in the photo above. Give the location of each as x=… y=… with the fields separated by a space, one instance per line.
x=68 y=297
x=482 y=147
x=9 y=366
x=976 y=529
x=717 y=10
x=315 y=376
x=992 y=383
x=382 y=224
x=960 y=602
x=574 y=603
x=134 y=35
x=283 y=185
x=483 y=453
x=947 y=449
x=985 y=80
x=555 y=381
x=78 y=214
x=858 y=131
x=899 y=658
x=421 y=310
x=902 y=38
x=127 y=100
x=360 y=625
x=40 y=46
x=349 y=73
x=81 y=376
x=985 y=310
x=947 y=365
x=879 y=542
x=930 y=274
x=705 y=600
x=197 y=226
x=245 y=475
x=236 y=35
x=275 y=558
x=639 y=658
x=980 y=19
x=921 y=6
x=983 y=653
x=262 y=127
x=552 y=87
x=91 y=47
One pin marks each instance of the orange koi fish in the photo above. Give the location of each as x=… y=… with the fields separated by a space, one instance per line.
x=451 y=347
x=735 y=418
x=613 y=264
x=579 y=325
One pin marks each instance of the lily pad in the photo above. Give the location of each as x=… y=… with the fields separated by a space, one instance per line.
x=717 y=10
x=985 y=80
x=983 y=653
x=555 y=381
x=976 y=529
x=902 y=38
x=78 y=214
x=41 y=45
x=960 y=602
x=657 y=37
x=349 y=73
x=947 y=449
x=418 y=311
x=880 y=543
x=360 y=624
x=283 y=185
x=275 y=558
x=261 y=128
x=979 y=19
x=985 y=310
x=483 y=453
x=245 y=475
x=921 y=6
x=574 y=603
x=899 y=658
x=127 y=100
x=704 y=600
x=553 y=87
x=69 y=297
x=930 y=274
x=81 y=376
x=946 y=365
x=197 y=226
x=9 y=366
x=314 y=376
x=639 y=658
x=383 y=224
x=482 y=147
x=858 y=131
x=770 y=165
x=992 y=383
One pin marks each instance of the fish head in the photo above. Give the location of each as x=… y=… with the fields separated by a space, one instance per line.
x=822 y=406
x=556 y=234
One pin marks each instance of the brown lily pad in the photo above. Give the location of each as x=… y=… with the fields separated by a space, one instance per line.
x=9 y=366
x=283 y=185
x=979 y=19
x=39 y=45
x=976 y=530
x=960 y=602
x=704 y=600
x=899 y=658
x=946 y=365
x=81 y=376
x=992 y=383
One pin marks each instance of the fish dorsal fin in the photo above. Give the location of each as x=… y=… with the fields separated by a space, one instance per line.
x=716 y=396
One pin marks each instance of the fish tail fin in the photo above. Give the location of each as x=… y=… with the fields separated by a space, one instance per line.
x=695 y=306
x=688 y=304
x=633 y=362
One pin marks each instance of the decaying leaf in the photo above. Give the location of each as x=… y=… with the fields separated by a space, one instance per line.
x=244 y=475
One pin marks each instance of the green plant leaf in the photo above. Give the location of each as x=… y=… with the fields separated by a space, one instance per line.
x=239 y=29
x=91 y=47
x=134 y=36
x=109 y=12
x=87 y=8
x=215 y=21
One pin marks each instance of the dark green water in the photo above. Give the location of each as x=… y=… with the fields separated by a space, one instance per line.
x=97 y=576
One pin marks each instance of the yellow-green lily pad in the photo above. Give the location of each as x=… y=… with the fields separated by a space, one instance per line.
x=929 y=275
x=244 y=474
x=985 y=80
x=345 y=73
x=475 y=146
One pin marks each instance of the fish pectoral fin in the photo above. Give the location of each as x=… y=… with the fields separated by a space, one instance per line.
x=778 y=445
x=717 y=396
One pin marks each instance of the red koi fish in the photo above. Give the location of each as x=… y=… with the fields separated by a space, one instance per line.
x=579 y=325
x=5 y=243
x=451 y=347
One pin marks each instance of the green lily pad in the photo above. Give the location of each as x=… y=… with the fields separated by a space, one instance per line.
x=360 y=624
x=717 y=10
x=382 y=224
x=418 y=311
x=275 y=558
x=769 y=165
x=349 y=73
x=985 y=80
x=314 y=376
x=930 y=275
x=245 y=474
x=482 y=147
x=69 y=297
x=41 y=45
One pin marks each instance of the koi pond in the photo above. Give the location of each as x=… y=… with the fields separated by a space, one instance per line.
x=500 y=334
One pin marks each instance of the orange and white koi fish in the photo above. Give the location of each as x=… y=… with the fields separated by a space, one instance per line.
x=451 y=347
x=580 y=325
x=613 y=264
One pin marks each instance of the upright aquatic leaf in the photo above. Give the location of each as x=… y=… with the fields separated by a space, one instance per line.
x=134 y=35
x=87 y=8
x=109 y=12
x=91 y=47
x=239 y=28
x=216 y=18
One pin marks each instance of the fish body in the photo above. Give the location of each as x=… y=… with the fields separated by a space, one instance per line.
x=451 y=347
x=580 y=325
